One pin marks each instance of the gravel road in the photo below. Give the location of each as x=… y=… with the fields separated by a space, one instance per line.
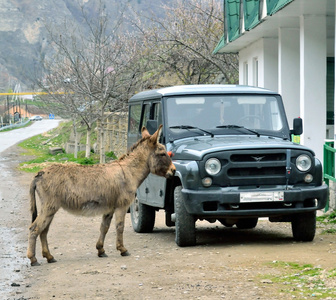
x=227 y=263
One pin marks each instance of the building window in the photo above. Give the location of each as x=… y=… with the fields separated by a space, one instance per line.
x=245 y=73
x=255 y=71
x=330 y=90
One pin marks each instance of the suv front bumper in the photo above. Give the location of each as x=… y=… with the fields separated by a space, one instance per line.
x=225 y=202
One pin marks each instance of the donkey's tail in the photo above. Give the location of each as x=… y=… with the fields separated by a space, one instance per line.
x=33 y=208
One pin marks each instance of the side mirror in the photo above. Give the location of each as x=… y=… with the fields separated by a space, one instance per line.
x=297 y=127
x=152 y=126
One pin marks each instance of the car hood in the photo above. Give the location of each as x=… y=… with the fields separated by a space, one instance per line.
x=195 y=148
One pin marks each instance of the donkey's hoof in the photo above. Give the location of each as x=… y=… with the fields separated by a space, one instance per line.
x=33 y=261
x=52 y=260
x=35 y=264
x=103 y=255
x=126 y=253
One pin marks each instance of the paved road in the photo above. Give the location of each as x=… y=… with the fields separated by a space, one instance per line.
x=10 y=138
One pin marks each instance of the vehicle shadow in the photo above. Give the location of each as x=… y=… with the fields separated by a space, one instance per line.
x=235 y=236
x=214 y=234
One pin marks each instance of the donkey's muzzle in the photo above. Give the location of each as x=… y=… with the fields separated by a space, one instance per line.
x=171 y=171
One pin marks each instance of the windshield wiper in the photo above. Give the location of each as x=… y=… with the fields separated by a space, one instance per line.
x=188 y=127
x=239 y=127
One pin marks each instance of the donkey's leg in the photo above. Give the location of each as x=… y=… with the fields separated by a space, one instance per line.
x=37 y=227
x=44 y=244
x=104 y=227
x=120 y=213
x=31 y=252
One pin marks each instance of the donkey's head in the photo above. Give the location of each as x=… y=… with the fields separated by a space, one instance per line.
x=159 y=161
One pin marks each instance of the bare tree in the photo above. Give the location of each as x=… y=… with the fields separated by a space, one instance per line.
x=181 y=45
x=97 y=65
x=88 y=73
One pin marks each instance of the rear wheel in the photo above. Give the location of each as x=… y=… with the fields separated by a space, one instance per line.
x=304 y=226
x=142 y=216
x=247 y=223
x=185 y=231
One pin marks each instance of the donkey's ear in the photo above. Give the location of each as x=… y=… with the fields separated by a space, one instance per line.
x=144 y=132
x=156 y=135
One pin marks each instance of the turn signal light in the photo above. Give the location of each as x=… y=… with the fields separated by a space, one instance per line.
x=170 y=153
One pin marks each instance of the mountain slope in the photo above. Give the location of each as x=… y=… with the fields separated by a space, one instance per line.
x=23 y=38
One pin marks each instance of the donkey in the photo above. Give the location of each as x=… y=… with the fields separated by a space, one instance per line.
x=91 y=190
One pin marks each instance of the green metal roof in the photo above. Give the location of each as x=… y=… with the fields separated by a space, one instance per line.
x=232 y=14
x=274 y=5
x=251 y=15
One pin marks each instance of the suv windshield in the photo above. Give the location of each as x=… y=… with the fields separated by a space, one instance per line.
x=223 y=114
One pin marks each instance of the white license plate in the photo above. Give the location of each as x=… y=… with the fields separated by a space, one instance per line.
x=261 y=197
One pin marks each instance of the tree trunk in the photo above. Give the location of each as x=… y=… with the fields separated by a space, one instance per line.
x=76 y=138
x=102 y=145
x=88 y=143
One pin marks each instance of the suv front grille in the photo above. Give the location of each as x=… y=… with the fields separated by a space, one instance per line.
x=262 y=171
x=258 y=157
x=251 y=167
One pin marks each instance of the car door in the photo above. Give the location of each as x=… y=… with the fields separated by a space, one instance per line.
x=152 y=190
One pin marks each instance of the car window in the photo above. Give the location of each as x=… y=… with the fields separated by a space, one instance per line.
x=254 y=112
x=146 y=115
x=157 y=113
x=134 y=118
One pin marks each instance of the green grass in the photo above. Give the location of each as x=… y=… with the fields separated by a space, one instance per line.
x=303 y=280
x=328 y=223
x=328 y=218
x=38 y=147
x=329 y=231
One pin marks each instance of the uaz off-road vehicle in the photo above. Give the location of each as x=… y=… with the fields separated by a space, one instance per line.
x=234 y=157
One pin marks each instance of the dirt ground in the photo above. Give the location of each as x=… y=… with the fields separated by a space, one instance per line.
x=227 y=263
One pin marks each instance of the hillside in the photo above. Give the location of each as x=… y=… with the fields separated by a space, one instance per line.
x=23 y=38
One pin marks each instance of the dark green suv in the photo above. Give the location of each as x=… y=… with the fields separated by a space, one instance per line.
x=235 y=161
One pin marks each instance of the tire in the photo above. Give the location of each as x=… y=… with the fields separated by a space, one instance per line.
x=304 y=227
x=249 y=223
x=226 y=223
x=142 y=217
x=169 y=222
x=185 y=231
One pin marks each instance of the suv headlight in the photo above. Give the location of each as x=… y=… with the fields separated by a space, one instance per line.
x=303 y=163
x=212 y=166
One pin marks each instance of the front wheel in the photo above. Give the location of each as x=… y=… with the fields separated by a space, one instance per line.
x=304 y=226
x=185 y=231
x=142 y=216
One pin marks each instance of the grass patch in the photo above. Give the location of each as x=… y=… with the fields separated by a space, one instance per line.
x=38 y=146
x=303 y=281
x=328 y=218
x=328 y=223
x=329 y=231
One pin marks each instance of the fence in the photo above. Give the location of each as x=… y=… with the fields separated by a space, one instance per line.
x=16 y=125
x=115 y=127
x=329 y=165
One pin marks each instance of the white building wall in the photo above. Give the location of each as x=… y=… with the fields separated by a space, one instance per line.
x=289 y=71
x=313 y=69
x=246 y=58
x=292 y=65
x=265 y=52
x=271 y=64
